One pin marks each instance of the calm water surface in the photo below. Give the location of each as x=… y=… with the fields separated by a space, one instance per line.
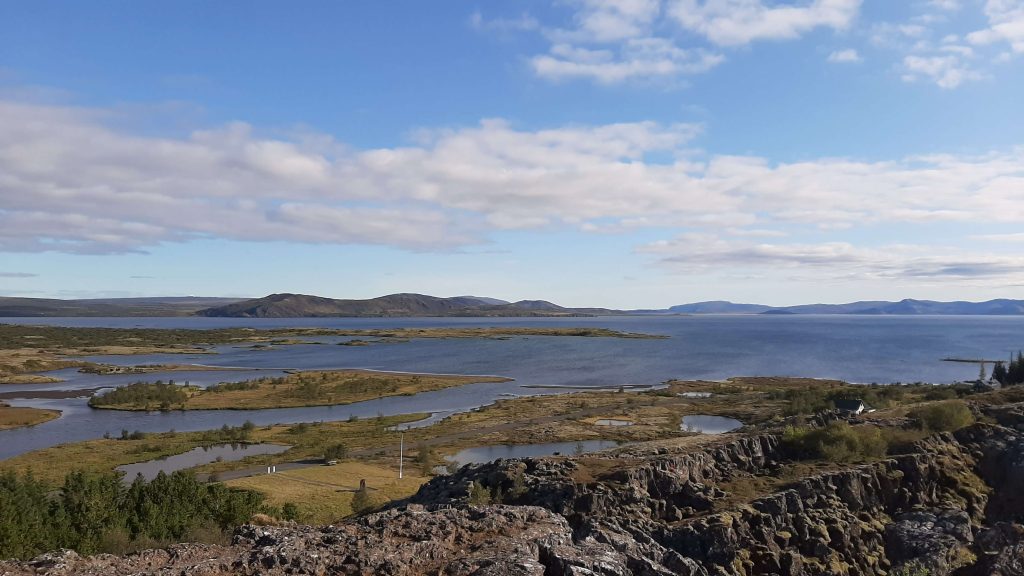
x=198 y=457
x=706 y=424
x=854 y=348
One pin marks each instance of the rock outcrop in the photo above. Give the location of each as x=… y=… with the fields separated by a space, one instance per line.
x=954 y=505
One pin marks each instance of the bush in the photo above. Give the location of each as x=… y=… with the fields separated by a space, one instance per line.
x=943 y=416
x=147 y=395
x=837 y=442
x=478 y=494
x=289 y=511
x=335 y=452
x=361 y=501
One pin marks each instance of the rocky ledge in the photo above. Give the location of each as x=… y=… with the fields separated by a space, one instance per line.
x=952 y=505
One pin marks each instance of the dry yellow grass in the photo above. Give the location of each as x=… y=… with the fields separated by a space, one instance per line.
x=323 y=494
x=11 y=417
x=29 y=379
x=21 y=360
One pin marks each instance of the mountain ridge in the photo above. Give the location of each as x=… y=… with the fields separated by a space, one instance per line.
x=392 y=305
x=288 y=305
x=905 y=307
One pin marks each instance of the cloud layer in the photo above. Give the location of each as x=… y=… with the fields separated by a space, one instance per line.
x=71 y=182
x=612 y=41
x=617 y=41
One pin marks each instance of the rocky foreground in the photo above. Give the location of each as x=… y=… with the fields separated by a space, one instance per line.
x=953 y=505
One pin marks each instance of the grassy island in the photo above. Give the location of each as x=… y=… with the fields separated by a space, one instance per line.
x=11 y=417
x=311 y=388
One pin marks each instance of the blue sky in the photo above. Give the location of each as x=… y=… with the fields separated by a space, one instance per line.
x=630 y=153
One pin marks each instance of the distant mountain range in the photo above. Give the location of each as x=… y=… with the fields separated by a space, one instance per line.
x=300 y=305
x=411 y=305
x=169 y=306
x=1001 y=307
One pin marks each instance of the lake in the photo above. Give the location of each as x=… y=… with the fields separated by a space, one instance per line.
x=859 y=349
x=197 y=457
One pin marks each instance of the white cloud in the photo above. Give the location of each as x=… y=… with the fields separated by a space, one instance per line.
x=612 y=20
x=697 y=253
x=946 y=5
x=70 y=182
x=523 y=22
x=1000 y=238
x=947 y=71
x=738 y=22
x=1006 y=24
x=637 y=58
x=847 y=56
x=615 y=41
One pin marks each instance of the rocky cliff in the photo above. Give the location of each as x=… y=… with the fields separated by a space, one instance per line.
x=952 y=505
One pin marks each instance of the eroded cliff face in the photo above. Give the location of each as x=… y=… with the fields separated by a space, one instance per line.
x=952 y=506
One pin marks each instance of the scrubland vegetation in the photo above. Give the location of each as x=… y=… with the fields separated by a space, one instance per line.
x=841 y=442
x=93 y=513
x=312 y=388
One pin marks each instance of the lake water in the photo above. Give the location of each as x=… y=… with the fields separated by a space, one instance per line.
x=198 y=457
x=854 y=348
x=706 y=424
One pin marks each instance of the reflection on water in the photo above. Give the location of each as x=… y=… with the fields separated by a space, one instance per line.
x=705 y=424
x=483 y=454
x=197 y=457
x=428 y=421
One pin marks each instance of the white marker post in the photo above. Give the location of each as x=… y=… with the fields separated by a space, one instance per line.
x=401 y=455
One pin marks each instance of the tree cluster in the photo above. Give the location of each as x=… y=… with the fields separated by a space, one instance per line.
x=1010 y=374
x=99 y=513
x=233 y=386
x=229 y=434
x=147 y=394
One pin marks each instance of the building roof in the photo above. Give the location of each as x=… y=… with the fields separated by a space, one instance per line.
x=850 y=405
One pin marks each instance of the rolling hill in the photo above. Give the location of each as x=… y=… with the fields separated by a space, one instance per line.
x=167 y=306
x=301 y=305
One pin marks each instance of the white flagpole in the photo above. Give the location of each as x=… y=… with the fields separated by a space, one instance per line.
x=401 y=455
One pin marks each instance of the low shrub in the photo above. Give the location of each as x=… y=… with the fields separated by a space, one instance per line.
x=837 y=442
x=943 y=416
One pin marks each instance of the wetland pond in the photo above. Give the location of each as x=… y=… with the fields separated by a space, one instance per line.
x=705 y=424
x=613 y=422
x=198 y=457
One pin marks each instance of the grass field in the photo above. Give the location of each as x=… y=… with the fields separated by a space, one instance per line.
x=323 y=494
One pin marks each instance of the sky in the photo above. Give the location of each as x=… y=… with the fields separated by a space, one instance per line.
x=617 y=153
